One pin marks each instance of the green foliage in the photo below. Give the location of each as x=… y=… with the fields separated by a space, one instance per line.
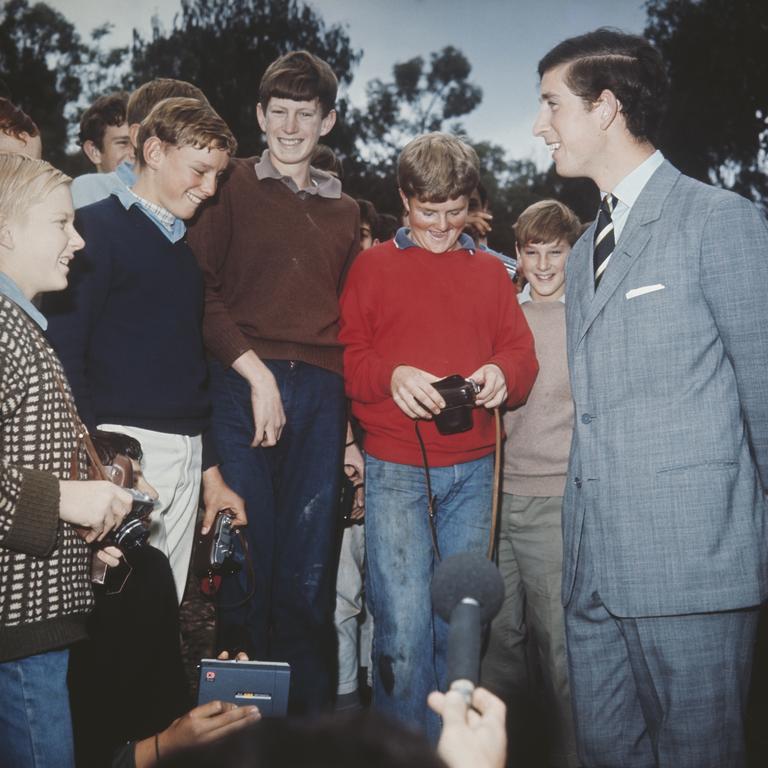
x=40 y=59
x=224 y=47
x=716 y=127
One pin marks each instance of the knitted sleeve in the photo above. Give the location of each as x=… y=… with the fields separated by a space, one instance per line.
x=29 y=499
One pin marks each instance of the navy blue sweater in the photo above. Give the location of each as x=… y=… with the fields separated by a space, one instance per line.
x=128 y=329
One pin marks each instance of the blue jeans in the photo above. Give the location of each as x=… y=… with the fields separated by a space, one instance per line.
x=291 y=494
x=409 y=642
x=35 y=724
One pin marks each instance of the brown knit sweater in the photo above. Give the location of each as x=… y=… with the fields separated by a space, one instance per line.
x=539 y=432
x=274 y=262
x=45 y=591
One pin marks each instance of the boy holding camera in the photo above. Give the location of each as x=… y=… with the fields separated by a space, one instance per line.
x=129 y=329
x=415 y=310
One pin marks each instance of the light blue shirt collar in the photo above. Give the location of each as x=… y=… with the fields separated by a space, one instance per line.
x=629 y=188
x=127 y=198
x=525 y=295
x=126 y=173
x=10 y=290
x=403 y=240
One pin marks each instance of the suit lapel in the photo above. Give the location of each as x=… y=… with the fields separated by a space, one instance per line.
x=634 y=237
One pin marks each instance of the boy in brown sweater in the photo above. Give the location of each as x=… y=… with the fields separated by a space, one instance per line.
x=275 y=247
x=535 y=462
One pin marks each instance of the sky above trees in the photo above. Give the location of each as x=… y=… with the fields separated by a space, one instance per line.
x=502 y=39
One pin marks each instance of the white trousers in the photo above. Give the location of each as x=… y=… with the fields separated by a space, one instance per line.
x=172 y=464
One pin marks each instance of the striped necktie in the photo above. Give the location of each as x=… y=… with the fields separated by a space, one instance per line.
x=604 y=239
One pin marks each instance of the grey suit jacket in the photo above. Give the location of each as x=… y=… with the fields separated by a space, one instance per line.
x=670 y=385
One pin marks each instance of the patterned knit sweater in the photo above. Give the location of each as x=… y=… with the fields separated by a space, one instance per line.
x=45 y=591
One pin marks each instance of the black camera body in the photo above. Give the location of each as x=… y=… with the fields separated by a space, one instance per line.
x=459 y=395
x=134 y=530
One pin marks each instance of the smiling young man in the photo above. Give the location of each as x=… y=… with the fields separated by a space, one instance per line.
x=665 y=560
x=416 y=309
x=275 y=248
x=535 y=463
x=129 y=329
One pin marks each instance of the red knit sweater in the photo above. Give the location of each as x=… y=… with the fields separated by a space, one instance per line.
x=444 y=313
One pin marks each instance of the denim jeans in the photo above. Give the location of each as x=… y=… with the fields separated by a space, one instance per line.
x=35 y=723
x=291 y=494
x=409 y=641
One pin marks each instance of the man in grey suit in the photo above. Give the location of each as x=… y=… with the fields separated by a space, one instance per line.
x=664 y=517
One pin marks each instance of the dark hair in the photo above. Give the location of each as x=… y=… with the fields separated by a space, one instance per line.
x=109 y=444
x=181 y=122
x=368 y=214
x=144 y=98
x=325 y=159
x=627 y=65
x=386 y=227
x=105 y=111
x=546 y=222
x=299 y=76
x=14 y=121
x=331 y=741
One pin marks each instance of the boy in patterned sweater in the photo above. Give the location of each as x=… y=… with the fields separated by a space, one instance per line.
x=45 y=592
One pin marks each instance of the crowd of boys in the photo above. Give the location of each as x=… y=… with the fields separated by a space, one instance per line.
x=247 y=330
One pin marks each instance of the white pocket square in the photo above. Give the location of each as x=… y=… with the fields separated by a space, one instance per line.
x=635 y=292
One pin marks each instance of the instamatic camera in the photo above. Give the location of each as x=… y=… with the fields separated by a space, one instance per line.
x=459 y=395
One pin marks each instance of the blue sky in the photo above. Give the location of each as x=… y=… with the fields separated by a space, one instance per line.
x=503 y=40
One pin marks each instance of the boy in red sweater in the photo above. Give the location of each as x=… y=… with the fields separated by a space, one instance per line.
x=415 y=310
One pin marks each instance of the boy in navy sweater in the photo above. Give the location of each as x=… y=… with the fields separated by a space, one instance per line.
x=128 y=330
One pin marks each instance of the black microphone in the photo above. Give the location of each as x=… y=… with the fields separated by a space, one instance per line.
x=467 y=592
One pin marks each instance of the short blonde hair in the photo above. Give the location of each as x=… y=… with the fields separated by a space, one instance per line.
x=546 y=222
x=183 y=122
x=25 y=182
x=436 y=167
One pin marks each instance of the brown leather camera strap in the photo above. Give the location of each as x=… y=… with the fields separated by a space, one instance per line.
x=432 y=499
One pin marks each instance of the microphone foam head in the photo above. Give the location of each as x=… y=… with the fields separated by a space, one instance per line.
x=467 y=574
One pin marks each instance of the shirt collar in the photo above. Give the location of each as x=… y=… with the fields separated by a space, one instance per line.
x=629 y=188
x=10 y=290
x=171 y=226
x=403 y=241
x=525 y=295
x=322 y=184
x=126 y=172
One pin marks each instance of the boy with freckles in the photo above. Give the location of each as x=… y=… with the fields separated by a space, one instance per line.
x=129 y=328
x=416 y=309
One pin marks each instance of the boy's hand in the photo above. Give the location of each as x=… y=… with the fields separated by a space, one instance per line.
x=480 y=222
x=218 y=495
x=96 y=505
x=493 y=385
x=414 y=394
x=474 y=736
x=268 y=413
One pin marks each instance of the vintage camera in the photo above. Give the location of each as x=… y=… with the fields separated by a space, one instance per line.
x=134 y=530
x=214 y=550
x=459 y=395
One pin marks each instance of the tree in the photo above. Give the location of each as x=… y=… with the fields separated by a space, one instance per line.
x=224 y=47
x=40 y=59
x=717 y=122
x=419 y=98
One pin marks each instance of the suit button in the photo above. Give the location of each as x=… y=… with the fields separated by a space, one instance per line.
x=577 y=481
x=586 y=418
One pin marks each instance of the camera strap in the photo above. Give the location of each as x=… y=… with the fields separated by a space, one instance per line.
x=432 y=499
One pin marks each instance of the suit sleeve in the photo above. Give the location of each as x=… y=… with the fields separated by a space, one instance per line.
x=734 y=275
x=73 y=315
x=209 y=238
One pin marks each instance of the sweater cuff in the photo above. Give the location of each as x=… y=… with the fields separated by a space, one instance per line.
x=226 y=345
x=35 y=529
